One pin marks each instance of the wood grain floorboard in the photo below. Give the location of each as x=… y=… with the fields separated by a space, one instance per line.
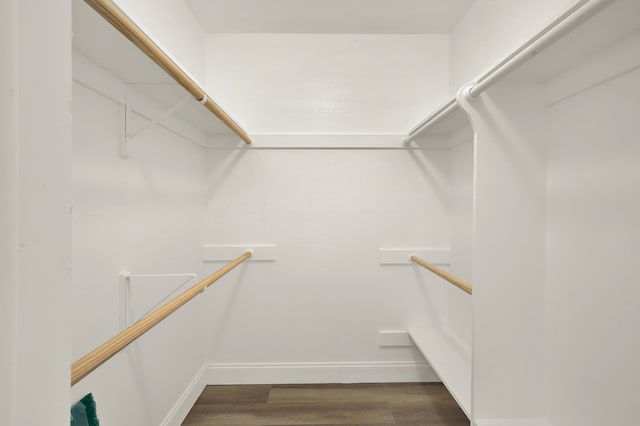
x=397 y=395
x=385 y=404
x=320 y=413
x=234 y=394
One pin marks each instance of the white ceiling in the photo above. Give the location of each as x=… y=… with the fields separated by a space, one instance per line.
x=328 y=16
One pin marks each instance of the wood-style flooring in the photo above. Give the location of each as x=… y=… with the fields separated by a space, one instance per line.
x=384 y=404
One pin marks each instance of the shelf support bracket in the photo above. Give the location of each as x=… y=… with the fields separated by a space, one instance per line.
x=129 y=136
x=125 y=294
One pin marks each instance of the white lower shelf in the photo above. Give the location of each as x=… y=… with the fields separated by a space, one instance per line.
x=451 y=364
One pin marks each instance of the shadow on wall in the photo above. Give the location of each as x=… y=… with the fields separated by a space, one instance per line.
x=433 y=172
x=226 y=300
x=430 y=294
x=508 y=129
x=219 y=166
x=135 y=363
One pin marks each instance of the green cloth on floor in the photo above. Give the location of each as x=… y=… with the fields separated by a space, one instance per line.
x=83 y=412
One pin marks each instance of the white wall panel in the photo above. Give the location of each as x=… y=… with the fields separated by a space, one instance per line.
x=326 y=296
x=8 y=211
x=593 y=232
x=142 y=215
x=37 y=177
x=328 y=17
x=461 y=216
x=508 y=252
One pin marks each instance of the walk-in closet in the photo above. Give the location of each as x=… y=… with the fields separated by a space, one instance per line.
x=365 y=202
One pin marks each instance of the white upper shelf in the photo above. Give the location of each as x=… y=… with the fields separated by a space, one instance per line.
x=98 y=40
x=587 y=29
x=169 y=94
x=615 y=22
x=450 y=123
x=446 y=127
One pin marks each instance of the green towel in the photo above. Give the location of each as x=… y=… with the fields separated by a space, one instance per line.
x=83 y=412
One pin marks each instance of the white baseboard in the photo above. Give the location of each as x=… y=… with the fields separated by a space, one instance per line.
x=330 y=372
x=512 y=422
x=183 y=405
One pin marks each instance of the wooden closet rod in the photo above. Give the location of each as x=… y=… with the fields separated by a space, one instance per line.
x=443 y=274
x=130 y=30
x=94 y=359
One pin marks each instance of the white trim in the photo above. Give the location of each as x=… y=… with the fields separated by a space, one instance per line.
x=183 y=405
x=402 y=256
x=428 y=141
x=225 y=253
x=319 y=372
x=512 y=422
x=317 y=140
x=395 y=134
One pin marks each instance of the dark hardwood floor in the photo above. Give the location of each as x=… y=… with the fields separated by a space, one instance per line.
x=384 y=404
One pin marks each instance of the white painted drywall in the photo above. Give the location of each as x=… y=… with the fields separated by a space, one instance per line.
x=461 y=218
x=508 y=252
x=328 y=83
x=328 y=17
x=171 y=24
x=8 y=211
x=592 y=294
x=326 y=296
x=35 y=223
x=142 y=215
x=492 y=29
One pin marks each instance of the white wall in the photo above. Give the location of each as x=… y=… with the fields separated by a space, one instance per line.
x=574 y=240
x=171 y=24
x=142 y=215
x=592 y=344
x=491 y=29
x=8 y=216
x=509 y=252
x=35 y=188
x=328 y=83
x=329 y=210
x=326 y=295
x=461 y=219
